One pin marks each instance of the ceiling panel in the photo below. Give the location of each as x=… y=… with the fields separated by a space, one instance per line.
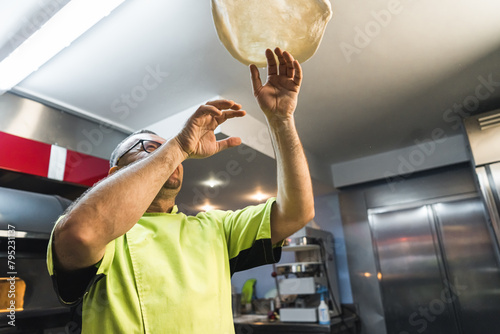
x=384 y=76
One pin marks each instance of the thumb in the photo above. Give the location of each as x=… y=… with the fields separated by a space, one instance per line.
x=256 y=82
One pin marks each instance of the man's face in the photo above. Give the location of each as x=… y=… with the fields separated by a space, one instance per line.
x=137 y=153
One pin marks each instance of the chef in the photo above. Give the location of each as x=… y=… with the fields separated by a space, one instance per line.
x=132 y=263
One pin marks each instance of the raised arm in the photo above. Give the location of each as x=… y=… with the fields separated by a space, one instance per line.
x=113 y=206
x=277 y=98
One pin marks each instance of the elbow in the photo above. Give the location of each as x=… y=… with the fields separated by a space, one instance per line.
x=73 y=248
x=308 y=216
x=66 y=237
x=304 y=216
x=311 y=215
x=309 y=211
x=73 y=233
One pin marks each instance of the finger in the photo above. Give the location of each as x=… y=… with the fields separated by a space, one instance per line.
x=223 y=104
x=281 y=59
x=236 y=106
x=234 y=113
x=256 y=82
x=290 y=69
x=207 y=109
x=298 y=73
x=227 y=143
x=272 y=69
x=228 y=114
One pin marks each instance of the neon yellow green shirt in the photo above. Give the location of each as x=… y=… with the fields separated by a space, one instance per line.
x=171 y=273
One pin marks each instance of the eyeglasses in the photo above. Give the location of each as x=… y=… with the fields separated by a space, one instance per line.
x=148 y=146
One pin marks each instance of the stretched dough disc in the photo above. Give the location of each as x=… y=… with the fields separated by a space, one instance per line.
x=248 y=27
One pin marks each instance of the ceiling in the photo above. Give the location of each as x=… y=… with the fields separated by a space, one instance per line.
x=362 y=93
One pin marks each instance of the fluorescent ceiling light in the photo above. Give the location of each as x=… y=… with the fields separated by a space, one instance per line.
x=60 y=31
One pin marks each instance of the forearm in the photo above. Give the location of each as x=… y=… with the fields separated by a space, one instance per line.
x=295 y=202
x=113 y=206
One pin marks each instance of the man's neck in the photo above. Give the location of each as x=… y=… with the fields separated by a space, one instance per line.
x=162 y=205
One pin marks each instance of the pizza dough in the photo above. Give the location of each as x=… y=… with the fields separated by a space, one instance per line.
x=248 y=27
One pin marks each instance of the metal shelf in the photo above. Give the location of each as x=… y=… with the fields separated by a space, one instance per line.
x=297 y=248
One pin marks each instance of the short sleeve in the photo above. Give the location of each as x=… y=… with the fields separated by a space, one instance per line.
x=70 y=286
x=248 y=237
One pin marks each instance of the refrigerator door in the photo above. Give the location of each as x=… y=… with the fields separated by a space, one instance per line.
x=411 y=273
x=471 y=264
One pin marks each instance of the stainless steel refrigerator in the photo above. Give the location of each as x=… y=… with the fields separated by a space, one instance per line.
x=424 y=252
x=437 y=266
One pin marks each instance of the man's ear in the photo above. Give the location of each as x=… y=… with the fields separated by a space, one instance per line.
x=113 y=169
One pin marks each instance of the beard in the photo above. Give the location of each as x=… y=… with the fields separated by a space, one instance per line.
x=174 y=181
x=172 y=184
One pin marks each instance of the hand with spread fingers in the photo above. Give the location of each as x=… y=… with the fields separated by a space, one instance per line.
x=278 y=96
x=197 y=138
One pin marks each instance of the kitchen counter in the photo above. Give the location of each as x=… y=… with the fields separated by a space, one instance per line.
x=259 y=324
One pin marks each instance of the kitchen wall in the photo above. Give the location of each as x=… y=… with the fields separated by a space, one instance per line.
x=428 y=153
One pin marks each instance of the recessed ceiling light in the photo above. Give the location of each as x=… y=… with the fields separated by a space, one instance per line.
x=207 y=207
x=212 y=182
x=259 y=196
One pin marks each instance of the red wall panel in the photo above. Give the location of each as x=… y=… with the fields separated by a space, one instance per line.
x=24 y=155
x=84 y=169
x=33 y=157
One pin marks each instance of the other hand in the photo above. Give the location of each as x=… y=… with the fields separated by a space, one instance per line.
x=197 y=138
x=278 y=96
